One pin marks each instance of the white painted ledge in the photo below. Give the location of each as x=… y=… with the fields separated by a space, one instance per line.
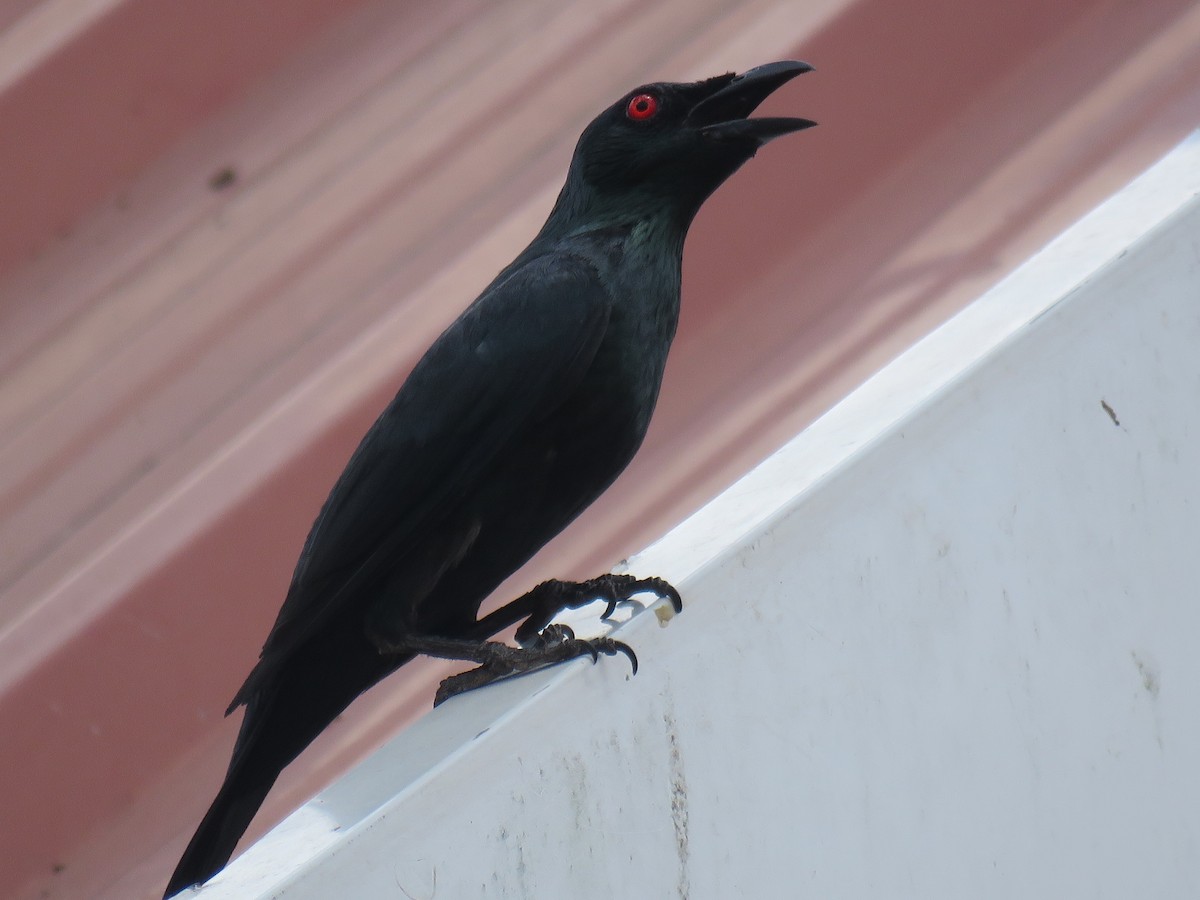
x=941 y=645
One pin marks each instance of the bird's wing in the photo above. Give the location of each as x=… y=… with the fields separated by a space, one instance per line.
x=515 y=353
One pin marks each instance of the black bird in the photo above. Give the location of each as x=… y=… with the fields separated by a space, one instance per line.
x=518 y=417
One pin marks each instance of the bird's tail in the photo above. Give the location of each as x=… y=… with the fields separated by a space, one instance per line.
x=284 y=713
x=255 y=765
x=221 y=828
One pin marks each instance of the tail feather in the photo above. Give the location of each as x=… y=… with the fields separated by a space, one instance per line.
x=221 y=828
x=258 y=758
x=284 y=714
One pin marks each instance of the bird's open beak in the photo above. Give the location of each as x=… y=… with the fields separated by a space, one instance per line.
x=723 y=115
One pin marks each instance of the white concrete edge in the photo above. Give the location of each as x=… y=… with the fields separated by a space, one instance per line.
x=827 y=449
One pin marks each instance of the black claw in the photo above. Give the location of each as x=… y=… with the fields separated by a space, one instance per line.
x=665 y=589
x=622 y=647
x=673 y=596
x=609 y=609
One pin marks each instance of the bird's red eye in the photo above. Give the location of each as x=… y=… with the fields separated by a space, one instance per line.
x=642 y=107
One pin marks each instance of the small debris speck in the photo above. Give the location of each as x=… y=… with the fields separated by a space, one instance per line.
x=223 y=178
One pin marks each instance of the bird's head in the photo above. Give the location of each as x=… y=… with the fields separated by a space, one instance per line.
x=669 y=146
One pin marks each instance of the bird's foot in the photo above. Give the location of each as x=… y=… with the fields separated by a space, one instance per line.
x=555 y=644
x=550 y=598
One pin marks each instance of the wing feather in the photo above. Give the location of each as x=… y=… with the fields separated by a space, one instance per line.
x=507 y=361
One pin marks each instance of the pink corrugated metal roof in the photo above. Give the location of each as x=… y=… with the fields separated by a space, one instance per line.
x=246 y=225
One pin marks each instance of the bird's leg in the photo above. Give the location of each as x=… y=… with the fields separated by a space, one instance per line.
x=557 y=643
x=548 y=599
x=498 y=661
x=542 y=644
